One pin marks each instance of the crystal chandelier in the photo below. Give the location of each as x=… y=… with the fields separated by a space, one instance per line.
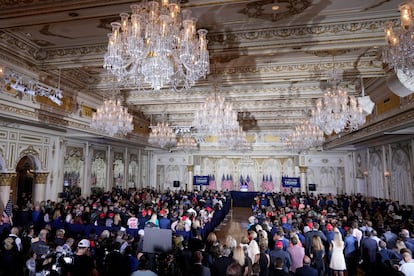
x=157 y=46
x=399 y=51
x=234 y=139
x=163 y=135
x=187 y=143
x=337 y=111
x=305 y=136
x=215 y=116
x=112 y=118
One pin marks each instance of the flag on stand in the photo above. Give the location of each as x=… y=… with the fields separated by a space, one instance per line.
x=8 y=211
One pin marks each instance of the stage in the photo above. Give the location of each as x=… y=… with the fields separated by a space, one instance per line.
x=243 y=199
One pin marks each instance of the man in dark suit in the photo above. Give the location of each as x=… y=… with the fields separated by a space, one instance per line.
x=313 y=232
x=369 y=248
x=221 y=263
x=306 y=269
x=198 y=269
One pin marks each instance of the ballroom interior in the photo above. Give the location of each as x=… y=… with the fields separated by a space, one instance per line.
x=269 y=69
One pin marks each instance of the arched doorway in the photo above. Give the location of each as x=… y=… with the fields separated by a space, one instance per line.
x=24 y=181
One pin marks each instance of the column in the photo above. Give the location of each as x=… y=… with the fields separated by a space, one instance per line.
x=109 y=169
x=39 y=189
x=87 y=175
x=5 y=188
x=303 y=180
x=189 y=184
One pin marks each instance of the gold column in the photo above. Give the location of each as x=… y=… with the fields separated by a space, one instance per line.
x=189 y=184
x=6 y=183
x=39 y=189
x=303 y=182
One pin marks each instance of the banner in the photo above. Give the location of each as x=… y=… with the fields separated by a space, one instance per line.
x=290 y=182
x=201 y=180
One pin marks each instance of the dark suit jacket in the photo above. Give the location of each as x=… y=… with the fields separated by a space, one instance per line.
x=200 y=270
x=306 y=270
x=369 y=248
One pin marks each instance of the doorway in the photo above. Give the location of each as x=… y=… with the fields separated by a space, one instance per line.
x=24 y=181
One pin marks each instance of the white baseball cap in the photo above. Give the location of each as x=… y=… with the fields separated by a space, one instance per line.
x=84 y=243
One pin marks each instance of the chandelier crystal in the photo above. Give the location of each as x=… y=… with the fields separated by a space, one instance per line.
x=305 y=136
x=215 y=116
x=112 y=118
x=337 y=111
x=157 y=46
x=163 y=135
x=234 y=139
x=399 y=51
x=187 y=143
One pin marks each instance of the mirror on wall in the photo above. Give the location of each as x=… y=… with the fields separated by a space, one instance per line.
x=98 y=172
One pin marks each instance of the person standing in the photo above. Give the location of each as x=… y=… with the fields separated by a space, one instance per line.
x=337 y=263
x=278 y=252
x=83 y=263
x=351 y=253
x=198 y=268
x=143 y=268
x=408 y=266
x=317 y=255
x=306 y=269
x=297 y=253
x=369 y=248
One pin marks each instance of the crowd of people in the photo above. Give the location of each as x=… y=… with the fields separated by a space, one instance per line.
x=287 y=234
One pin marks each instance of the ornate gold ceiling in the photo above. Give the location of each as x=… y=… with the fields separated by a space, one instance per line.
x=270 y=63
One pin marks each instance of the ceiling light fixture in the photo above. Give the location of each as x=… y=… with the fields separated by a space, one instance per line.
x=187 y=143
x=305 y=136
x=162 y=135
x=234 y=139
x=157 y=46
x=112 y=118
x=399 y=51
x=32 y=87
x=215 y=116
x=337 y=111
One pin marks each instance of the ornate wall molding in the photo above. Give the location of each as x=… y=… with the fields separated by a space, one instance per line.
x=6 y=178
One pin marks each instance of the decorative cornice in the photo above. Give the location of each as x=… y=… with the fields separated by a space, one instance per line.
x=280 y=35
x=6 y=178
x=40 y=178
x=373 y=130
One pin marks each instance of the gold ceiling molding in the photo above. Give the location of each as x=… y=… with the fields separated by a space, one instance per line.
x=257 y=9
x=293 y=69
x=97 y=50
x=25 y=49
x=362 y=27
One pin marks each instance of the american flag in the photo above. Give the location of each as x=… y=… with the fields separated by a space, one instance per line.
x=9 y=208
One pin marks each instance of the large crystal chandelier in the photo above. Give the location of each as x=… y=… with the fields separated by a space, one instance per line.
x=399 y=51
x=234 y=139
x=215 y=116
x=163 y=135
x=305 y=136
x=112 y=118
x=157 y=46
x=187 y=143
x=337 y=111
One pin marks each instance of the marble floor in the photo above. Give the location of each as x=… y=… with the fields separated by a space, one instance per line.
x=235 y=224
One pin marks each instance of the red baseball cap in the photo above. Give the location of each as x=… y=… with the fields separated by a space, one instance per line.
x=279 y=244
x=329 y=227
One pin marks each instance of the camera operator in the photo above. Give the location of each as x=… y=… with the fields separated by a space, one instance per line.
x=83 y=263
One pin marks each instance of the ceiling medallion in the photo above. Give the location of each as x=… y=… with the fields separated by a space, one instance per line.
x=264 y=9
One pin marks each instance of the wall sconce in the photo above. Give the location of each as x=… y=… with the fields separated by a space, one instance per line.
x=365 y=173
x=386 y=173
